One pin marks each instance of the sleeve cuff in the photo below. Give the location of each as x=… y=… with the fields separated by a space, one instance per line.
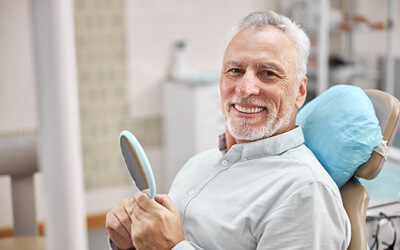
x=184 y=245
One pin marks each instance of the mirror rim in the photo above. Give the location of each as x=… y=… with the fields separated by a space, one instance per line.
x=143 y=160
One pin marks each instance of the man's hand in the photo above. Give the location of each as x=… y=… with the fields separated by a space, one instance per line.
x=155 y=224
x=118 y=224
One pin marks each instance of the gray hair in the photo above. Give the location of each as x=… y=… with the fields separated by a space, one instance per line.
x=261 y=19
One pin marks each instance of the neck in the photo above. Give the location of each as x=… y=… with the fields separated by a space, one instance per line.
x=230 y=140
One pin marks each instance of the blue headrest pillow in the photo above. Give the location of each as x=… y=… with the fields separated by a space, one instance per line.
x=341 y=129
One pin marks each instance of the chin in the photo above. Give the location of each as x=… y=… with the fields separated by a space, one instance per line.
x=249 y=133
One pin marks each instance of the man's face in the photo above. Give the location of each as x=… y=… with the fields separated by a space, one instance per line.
x=260 y=89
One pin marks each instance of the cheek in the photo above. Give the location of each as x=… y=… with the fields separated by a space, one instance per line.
x=225 y=85
x=276 y=99
x=272 y=93
x=227 y=89
x=223 y=98
x=287 y=104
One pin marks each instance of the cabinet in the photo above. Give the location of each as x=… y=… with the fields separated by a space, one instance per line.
x=192 y=122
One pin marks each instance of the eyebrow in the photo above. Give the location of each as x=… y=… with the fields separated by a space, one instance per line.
x=265 y=65
x=233 y=63
x=270 y=65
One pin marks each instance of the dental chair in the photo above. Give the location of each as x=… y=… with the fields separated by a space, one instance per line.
x=342 y=126
x=18 y=160
x=355 y=196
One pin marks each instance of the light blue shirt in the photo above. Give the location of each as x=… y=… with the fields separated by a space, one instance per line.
x=268 y=194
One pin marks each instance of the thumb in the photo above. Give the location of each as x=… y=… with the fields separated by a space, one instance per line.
x=165 y=201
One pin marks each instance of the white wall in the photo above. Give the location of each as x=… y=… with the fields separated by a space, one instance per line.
x=154 y=25
x=17 y=90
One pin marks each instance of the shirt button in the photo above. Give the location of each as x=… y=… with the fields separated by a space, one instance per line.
x=192 y=192
x=224 y=162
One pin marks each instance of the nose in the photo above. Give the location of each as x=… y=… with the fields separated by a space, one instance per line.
x=247 y=85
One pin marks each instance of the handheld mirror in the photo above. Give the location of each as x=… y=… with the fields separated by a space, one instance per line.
x=136 y=163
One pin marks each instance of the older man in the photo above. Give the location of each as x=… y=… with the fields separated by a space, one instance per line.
x=263 y=189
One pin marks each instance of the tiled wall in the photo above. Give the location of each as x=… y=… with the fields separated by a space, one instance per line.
x=101 y=65
x=103 y=96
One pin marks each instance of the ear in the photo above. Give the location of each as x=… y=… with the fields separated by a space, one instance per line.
x=301 y=93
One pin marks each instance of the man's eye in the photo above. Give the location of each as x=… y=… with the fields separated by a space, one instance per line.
x=235 y=71
x=269 y=73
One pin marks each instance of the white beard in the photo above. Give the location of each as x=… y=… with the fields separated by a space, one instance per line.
x=241 y=128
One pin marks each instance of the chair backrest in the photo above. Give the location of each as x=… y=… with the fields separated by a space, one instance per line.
x=354 y=195
x=18 y=159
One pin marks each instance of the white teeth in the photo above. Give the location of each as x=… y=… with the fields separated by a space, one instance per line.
x=248 y=110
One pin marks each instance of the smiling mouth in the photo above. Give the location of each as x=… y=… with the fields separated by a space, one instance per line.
x=245 y=110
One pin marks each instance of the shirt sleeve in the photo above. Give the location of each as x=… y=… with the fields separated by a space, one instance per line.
x=186 y=245
x=310 y=218
x=183 y=245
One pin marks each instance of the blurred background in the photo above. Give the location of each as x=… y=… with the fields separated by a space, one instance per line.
x=152 y=67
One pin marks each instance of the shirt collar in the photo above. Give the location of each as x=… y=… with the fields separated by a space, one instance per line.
x=266 y=147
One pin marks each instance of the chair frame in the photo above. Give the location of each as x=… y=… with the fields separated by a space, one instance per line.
x=355 y=197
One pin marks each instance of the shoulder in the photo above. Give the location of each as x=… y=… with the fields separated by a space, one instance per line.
x=208 y=156
x=308 y=215
x=193 y=171
x=294 y=170
x=201 y=161
x=311 y=170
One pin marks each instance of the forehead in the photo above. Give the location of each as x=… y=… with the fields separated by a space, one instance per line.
x=269 y=43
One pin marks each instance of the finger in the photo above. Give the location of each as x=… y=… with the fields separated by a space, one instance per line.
x=143 y=201
x=146 y=191
x=136 y=224
x=129 y=206
x=135 y=229
x=113 y=223
x=165 y=201
x=125 y=213
x=125 y=219
x=116 y=237
x=137 y=214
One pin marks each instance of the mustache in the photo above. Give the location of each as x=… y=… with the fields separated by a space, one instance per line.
x=249 y=100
